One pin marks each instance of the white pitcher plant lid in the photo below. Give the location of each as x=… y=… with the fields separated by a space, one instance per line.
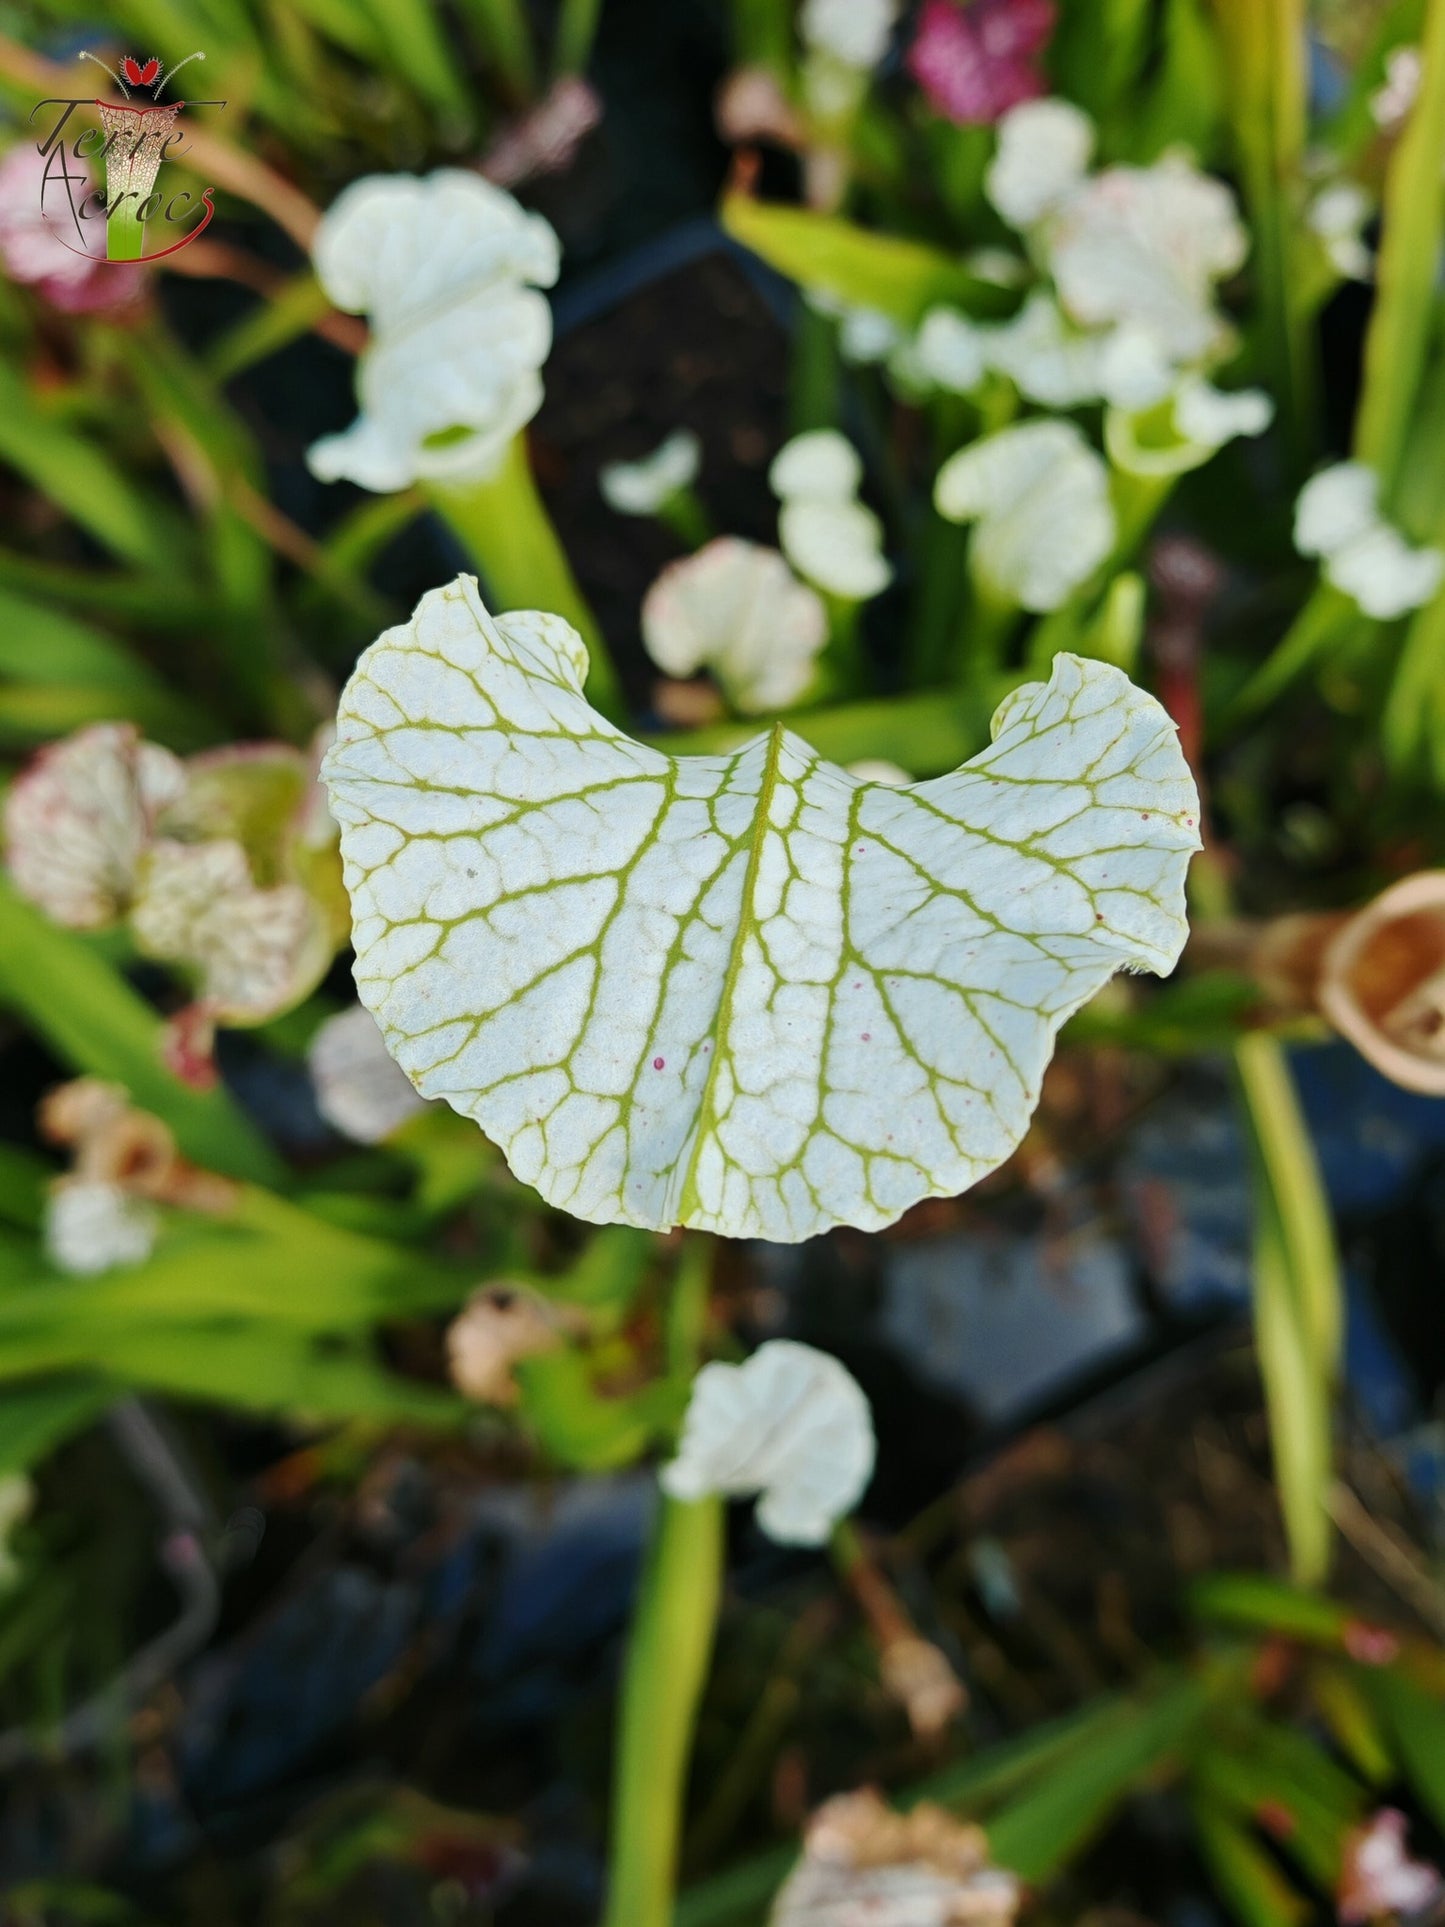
x=790 y=1426
x=855 y=33
x=359 y=1088
x=1338 y=518
x=1039 y=496
x=644 y=486
x=737 y=610
x=1187 y=430
x=819 y=465
x=447 y=269
x=78 y=819
x=1044 y=150
x=830 y=537
x=656 y=1007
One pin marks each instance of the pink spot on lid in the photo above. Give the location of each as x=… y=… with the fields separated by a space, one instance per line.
x=867 y=1037
x=659 y=1063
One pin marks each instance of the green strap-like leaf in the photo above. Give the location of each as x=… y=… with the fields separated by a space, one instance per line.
x=90 y=1016
x=1035 y=1834
x=35 y=1418
x=748 y=993
x=822 y=252
x=1258 y=1893
x=1416 y=1722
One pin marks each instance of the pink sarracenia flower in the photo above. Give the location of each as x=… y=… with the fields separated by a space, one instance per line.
x=975 y=61
x=39 y=244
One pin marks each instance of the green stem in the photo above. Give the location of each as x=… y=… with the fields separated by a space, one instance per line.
x=989 y=624
x=983 y=644
x=686 y=1321
x=942 y=587
x=1116 y=632
x=1286 y=1151
x=1397 y=347
x=504 y=523
x=762 y=35
x=1411 y=720
x=686 y=517
x=667 y=1660
x=125 y=232
x=1138 y=501
x=576 y=33
x=1298 y=1295
x=1298 y=1304
x=841 y=664
x=1266 y=44
x=816 y=372
x=960 y=157
x=1321 y=623
x=501 y=26
x=935 y=610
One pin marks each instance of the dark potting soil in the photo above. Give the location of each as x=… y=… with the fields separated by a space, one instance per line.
x=698 y=348
x=440 y=1646
x=695 y=345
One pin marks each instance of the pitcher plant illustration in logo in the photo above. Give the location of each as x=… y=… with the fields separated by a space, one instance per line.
x=134 y=137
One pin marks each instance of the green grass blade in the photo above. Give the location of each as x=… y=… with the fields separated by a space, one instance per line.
x=24 y=1176
x=37 y=712
x=1267 y=53
x=577 y=27
x=503 y=33
x=1250 y=1602
x=1352 y=1722
x=265 y=1368
x=41 y=644
x=35 y=1418
x=1248 y=1878
x=1035 y=1834
x=1297 y=1398
x=157 y=598
x=81 y=479
x=415 y=47
x=90 y=1017
x=1415 y=1722
x=1398 y=345
x=1259 y=1767
x=271 y=325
